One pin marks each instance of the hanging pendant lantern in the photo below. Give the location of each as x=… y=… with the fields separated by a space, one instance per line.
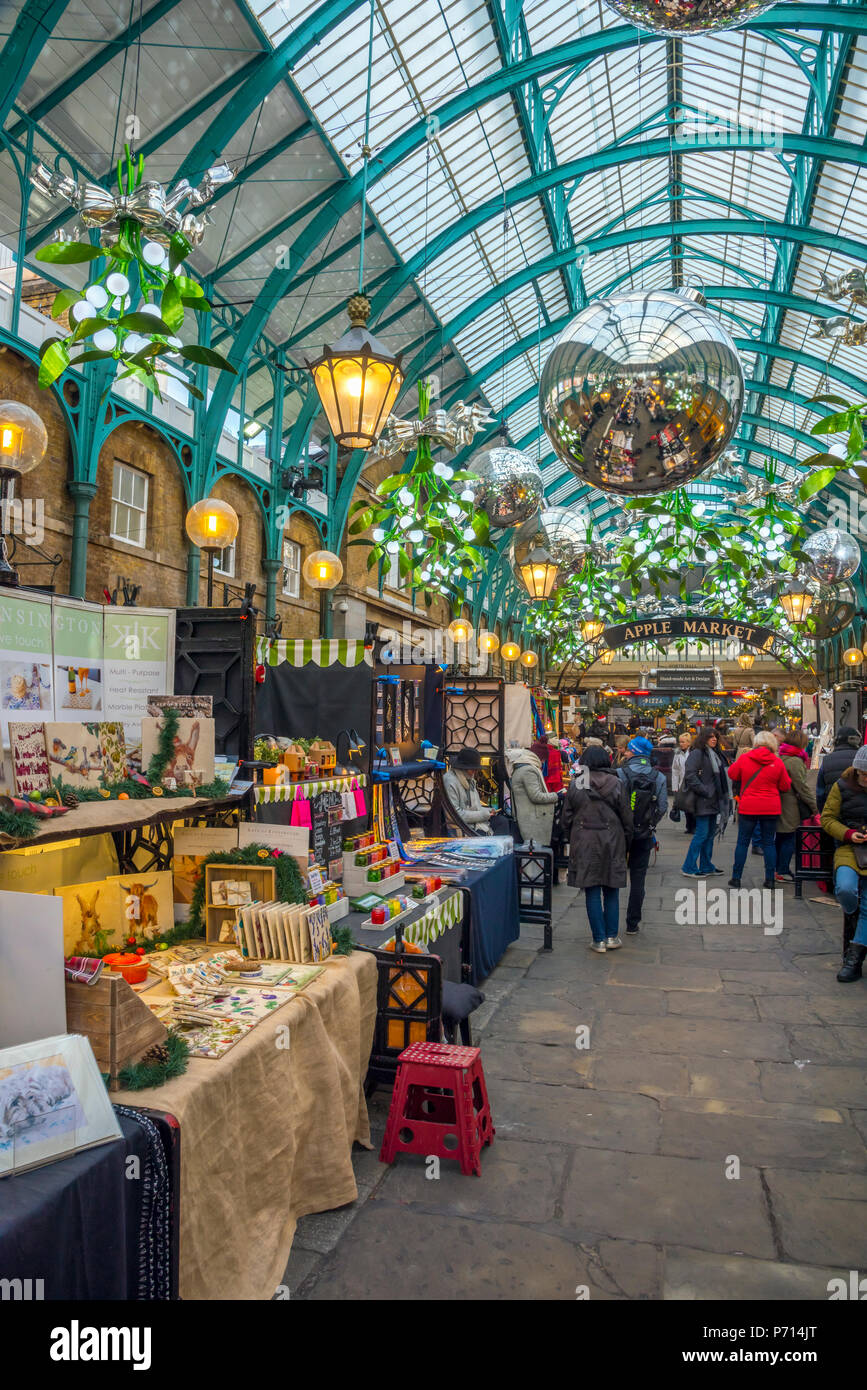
x=607 y=657
x=591 y=628
x=357 y=381
x=796 y=601
x=745 y=660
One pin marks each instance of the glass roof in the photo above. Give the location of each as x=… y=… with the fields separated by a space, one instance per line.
x=652 y=164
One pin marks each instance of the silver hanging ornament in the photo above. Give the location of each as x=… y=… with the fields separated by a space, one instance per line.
x=832 y=609
x=509 y=489
x=561 y=532
x=832 y=555
x=642 y=392
x=688 y=16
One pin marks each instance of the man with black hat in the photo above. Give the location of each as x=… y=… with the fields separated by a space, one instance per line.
x=648 y=802
x=460 y=787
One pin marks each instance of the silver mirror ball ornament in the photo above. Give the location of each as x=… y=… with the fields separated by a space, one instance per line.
x=688 y=16
x=561 y=531
x=510 y=488
x=832 y=554
x=642 y=392
x=832 y=609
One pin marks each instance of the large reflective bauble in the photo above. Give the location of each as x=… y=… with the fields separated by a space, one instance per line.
x=832 y=555
x=510 y=488
x=561 y=531
x=688 y=16
x=642 y=392
x=832 y=609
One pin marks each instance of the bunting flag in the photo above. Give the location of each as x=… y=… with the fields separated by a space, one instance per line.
x=435 y=922
x=318 y=651
x=288 y=791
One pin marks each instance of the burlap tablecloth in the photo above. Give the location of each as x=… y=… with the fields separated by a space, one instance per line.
x=267 y=1131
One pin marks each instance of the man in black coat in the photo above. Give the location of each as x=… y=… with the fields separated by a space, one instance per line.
x=834 y=764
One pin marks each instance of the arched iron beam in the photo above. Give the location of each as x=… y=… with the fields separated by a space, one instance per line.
x=850 y=19
x=703 y=226
x=29 y=35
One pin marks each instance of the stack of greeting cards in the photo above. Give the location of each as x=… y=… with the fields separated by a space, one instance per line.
x=283 y=931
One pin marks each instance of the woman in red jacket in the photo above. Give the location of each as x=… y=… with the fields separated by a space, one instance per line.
x=761 y=776
x=552 y=764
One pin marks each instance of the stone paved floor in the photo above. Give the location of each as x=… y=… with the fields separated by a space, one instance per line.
x=711 y=1048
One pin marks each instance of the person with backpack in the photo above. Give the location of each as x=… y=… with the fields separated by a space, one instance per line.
x=648 y=802
x=834 y=764
x=762 y=778
x=598 y=824
x=798 y=803
x=844 y=820
x=705 y=791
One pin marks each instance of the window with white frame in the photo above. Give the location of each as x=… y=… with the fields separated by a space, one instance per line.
x=129 y=505
x=291 y=569
x=392 y=578
x=224 y=560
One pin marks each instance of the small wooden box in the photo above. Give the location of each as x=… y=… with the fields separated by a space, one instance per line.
x=262 y=885
x=325 y=754
x=295 y=760
x=118 y=1024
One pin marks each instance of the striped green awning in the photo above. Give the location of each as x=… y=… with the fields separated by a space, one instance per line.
x=301 y=651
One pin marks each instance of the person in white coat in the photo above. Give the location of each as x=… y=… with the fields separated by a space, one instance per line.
x=532 y=803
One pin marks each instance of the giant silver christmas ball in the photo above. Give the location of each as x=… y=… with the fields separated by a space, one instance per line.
x=642 y=392
x=510 y=488
x=688 y=16
x=562 y=531
x=832 y=555
x=832 y=609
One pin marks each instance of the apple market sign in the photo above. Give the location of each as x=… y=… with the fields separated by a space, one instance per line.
x=699 y=628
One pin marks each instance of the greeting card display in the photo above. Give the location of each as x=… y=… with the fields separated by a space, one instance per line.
x=29 y=758
x=74 y=753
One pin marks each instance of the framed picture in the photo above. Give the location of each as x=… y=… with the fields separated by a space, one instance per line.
x=92 y=919
x=53 y=1102
x=74 y=753
x=29 y=758
x=393 y=751
x=192 y=760
x=144 y=903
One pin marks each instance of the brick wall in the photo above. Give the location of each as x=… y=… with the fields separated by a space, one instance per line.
x=160 y=567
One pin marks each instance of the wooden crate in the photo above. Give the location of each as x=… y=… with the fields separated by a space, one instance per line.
x=118 y=1024
x=262 y=887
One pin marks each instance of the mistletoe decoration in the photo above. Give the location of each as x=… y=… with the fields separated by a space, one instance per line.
x=135 y=308
x=426 y=516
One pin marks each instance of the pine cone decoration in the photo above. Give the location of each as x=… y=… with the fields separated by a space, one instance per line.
x=70 y=799
x=158 y=1053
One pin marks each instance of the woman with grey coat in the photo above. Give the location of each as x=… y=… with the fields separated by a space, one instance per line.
x=532 y=803
x=598 y=821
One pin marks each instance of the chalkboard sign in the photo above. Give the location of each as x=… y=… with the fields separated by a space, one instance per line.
x=328 y=831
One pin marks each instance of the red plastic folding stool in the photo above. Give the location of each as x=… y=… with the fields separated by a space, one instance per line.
x=439 y=1105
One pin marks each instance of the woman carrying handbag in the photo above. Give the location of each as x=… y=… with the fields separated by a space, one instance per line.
x=705 y=795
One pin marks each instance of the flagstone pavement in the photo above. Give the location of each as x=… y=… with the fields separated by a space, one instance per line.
x=708 y=1143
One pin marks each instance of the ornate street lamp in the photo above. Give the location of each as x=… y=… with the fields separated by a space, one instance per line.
x=357 y=381
x=322 y=570
x=796 y=601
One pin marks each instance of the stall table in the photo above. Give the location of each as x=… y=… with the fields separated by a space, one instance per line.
x=76 y=1224
x=267 y=1132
